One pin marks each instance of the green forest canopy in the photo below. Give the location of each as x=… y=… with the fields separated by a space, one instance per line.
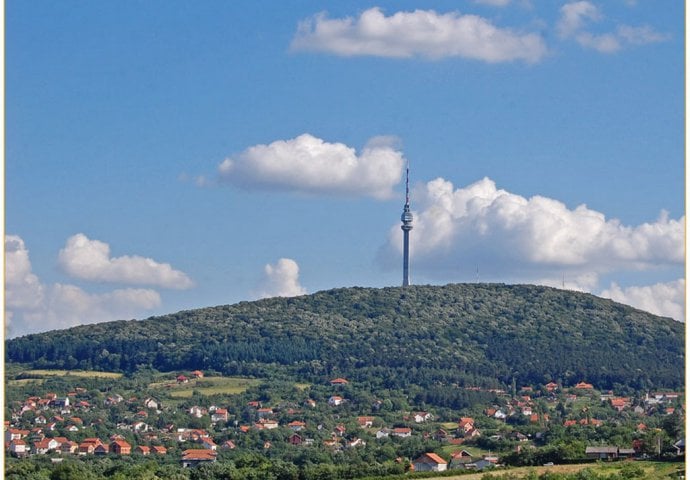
x=459 y=334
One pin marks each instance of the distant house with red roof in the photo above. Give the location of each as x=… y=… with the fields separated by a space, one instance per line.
x=584 y=386
x=198 y=374
x=120 y=447
x=143 y=450
x=18 y=448
x=296 y=425
x=159 y=449
x=220 y=415
x=339 y=382
x=401 y=432
x=182 y=379
x=551 y=386
x=194 y=457
x=365 y=422
x=430 y=462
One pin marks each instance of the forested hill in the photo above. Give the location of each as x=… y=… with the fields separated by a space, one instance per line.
x=465 y=334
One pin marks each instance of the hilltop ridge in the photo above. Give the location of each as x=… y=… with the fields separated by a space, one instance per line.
x=461 y=334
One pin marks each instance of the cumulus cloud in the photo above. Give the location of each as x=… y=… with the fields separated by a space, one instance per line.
x=665 y=299
x=88 y=259
x=576 y=17
x=310 y=165
x=31 y=306
x=281 y=280
x=421 y=33
x=22 y=287
x=537 y=239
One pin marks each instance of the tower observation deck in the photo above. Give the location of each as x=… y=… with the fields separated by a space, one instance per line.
x=406 y=219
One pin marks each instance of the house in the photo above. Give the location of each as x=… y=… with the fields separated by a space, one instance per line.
x=69 y=447
x=551 y=386
x=228 y=445
x=100 y=450
x=479 y=464
x=208 y=443
x=296 y=426
x=620 y=403
x=151 y=403
x=335 y=400
x=264 y=412
x=143 y=450
x=197 y=411
x=45 y=445
x=460 y=459
x=120 y=447
x=420 y=417
x=194 y=457
x=383 y=433
x=365 y=422
x=584 y=386
x=402 y=432
x=602 y=453
x=159 y=449
x=198 y=374
x=268 y=424
x=220 y=415
x=339 y=382
x=182 y=379
x=18 y=448
x=430 y=462
x=295 y=439
x=465 y=424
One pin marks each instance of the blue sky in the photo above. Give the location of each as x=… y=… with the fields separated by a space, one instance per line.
x=167 y=155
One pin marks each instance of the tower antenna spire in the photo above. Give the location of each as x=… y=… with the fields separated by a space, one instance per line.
x=406 y=219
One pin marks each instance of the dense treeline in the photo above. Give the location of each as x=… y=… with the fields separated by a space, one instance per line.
x=463 y=334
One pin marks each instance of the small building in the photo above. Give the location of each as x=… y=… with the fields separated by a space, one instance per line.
x=339 y=382
x=430 y=462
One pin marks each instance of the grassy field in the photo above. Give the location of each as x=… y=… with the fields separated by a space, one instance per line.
x=38 y=376
x=207 y=386
x=653 y=470
x=70 y=373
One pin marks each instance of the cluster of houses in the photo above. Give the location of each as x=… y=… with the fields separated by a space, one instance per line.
x=55 y=418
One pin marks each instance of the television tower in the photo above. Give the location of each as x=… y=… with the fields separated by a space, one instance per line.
x=406 y=219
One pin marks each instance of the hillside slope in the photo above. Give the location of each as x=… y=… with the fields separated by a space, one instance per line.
x=465 y=334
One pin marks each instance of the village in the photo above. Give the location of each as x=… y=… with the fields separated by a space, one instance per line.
x=333 y=418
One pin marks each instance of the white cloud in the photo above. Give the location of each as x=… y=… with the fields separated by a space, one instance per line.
x=307 y=164
x=31 y=306
x=494 y=3
x=536 y=240
x=281 y=280
x=22 y=288
x=88 y=259
x=422 y=33
x=665 y=299
x=576 y=16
